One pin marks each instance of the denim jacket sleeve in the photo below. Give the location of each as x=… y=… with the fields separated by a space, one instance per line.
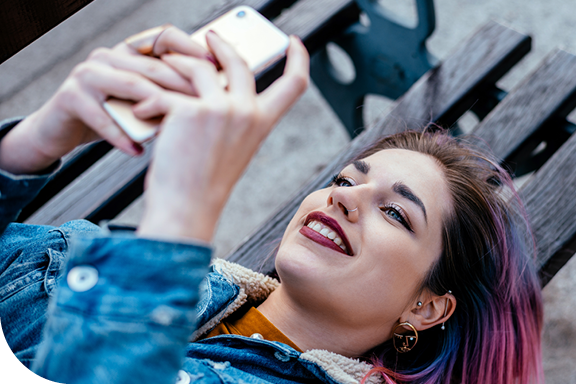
x=114 y=308
x=123 y=311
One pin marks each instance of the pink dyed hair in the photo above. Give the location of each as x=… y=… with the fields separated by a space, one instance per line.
x=494 y=335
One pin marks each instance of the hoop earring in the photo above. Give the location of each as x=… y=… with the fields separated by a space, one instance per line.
x=404 y=343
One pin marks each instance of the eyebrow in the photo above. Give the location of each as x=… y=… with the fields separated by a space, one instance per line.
x=362 y=166
x=404 y=191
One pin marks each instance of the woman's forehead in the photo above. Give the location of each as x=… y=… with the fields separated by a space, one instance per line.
x=420 y=172
x=401 y=162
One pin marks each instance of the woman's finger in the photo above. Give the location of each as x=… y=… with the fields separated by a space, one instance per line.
x=103 y=81
x=284 y=92
x=90 y=111
x=173 y=39
x=163 y=39
x=149 y=67
x=200 y=73
x=240 y=78
x=158 y=105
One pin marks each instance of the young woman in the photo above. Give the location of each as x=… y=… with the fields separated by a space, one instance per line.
x=414 y=265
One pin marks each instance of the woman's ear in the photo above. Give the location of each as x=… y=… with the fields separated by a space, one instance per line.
x=433 y=311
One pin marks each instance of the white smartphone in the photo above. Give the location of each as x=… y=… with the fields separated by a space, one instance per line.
x=259 y=42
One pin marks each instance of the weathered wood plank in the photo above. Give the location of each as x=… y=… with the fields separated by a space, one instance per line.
x=317 y=21
x=549 y=200
x=73 y=165
x=549 y=93
x=452 y=88
x=95 y=186
x=438 y=96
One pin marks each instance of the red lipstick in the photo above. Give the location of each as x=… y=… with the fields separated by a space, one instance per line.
x=322 y=240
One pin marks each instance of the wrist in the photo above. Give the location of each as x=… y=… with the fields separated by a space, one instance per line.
x=179 y=219
x=19 y=154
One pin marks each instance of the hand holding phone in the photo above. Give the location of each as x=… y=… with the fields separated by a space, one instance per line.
x=256 y=40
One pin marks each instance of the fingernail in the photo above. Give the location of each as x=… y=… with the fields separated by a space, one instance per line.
x=212 y=59
x=137 y=148
x=212 y=31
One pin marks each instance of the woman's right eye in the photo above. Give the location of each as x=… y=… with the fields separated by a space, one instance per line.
x=340 y=181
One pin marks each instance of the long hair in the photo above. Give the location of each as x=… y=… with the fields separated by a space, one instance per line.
x=494 y=335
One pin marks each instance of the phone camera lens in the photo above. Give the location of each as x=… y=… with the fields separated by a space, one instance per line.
x=241 y=14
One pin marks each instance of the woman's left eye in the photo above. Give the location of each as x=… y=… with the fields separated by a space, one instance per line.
x=396 y=214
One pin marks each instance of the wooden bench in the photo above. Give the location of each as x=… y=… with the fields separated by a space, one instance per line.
x=527 y=128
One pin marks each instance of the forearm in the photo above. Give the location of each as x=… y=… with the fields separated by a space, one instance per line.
x=132 y=325
x=20 y=154
x=16 y=191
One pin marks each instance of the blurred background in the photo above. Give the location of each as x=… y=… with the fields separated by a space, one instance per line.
x=311 y=134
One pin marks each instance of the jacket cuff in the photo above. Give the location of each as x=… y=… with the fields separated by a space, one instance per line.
x=135 y=279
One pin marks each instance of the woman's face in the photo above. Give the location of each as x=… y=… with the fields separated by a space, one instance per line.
x=359 y=249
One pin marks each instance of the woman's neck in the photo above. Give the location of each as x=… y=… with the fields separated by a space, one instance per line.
x=312 y=329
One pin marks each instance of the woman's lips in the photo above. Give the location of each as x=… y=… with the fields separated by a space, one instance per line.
x=320 y=239
x=332 y=225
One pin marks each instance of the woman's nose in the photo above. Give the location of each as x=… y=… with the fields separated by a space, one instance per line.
x=346 y=202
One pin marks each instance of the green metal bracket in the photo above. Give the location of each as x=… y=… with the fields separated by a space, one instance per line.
x=388 y=58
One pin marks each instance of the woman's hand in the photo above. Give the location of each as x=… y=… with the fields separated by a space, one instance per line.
x=74 y=115
x=206 y=142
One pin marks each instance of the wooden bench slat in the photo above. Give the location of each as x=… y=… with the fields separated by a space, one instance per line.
x=548 y=93
x=95 y=186
x=23 y=21
x=549 y=199
x=435 y=97
x=318 y=20
x=452 y=88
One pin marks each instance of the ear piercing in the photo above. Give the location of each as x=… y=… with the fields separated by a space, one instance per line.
x=419 y=304
x=445 y=311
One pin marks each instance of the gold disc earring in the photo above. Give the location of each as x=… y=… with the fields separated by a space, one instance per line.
x=404 y=343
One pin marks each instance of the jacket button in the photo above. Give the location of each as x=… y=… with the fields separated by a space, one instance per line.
x=183 y=378
x=82 y=278
x=257 y=336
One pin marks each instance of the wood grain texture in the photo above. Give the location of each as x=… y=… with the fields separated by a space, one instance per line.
x=475 y=65
x=452 y=88
x=95 y=186
x=23 y=21
x=550 y=203
x=549 y=93
x=317 y=21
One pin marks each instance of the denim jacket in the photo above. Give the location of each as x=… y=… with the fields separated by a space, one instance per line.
x=82 y=304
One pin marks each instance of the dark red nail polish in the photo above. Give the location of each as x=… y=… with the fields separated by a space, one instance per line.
x=212 y=59
x=137 y=148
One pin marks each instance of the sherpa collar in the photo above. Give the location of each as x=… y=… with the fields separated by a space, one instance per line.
x=256 y=287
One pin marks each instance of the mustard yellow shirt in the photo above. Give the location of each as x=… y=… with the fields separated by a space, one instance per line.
x=247 y=321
